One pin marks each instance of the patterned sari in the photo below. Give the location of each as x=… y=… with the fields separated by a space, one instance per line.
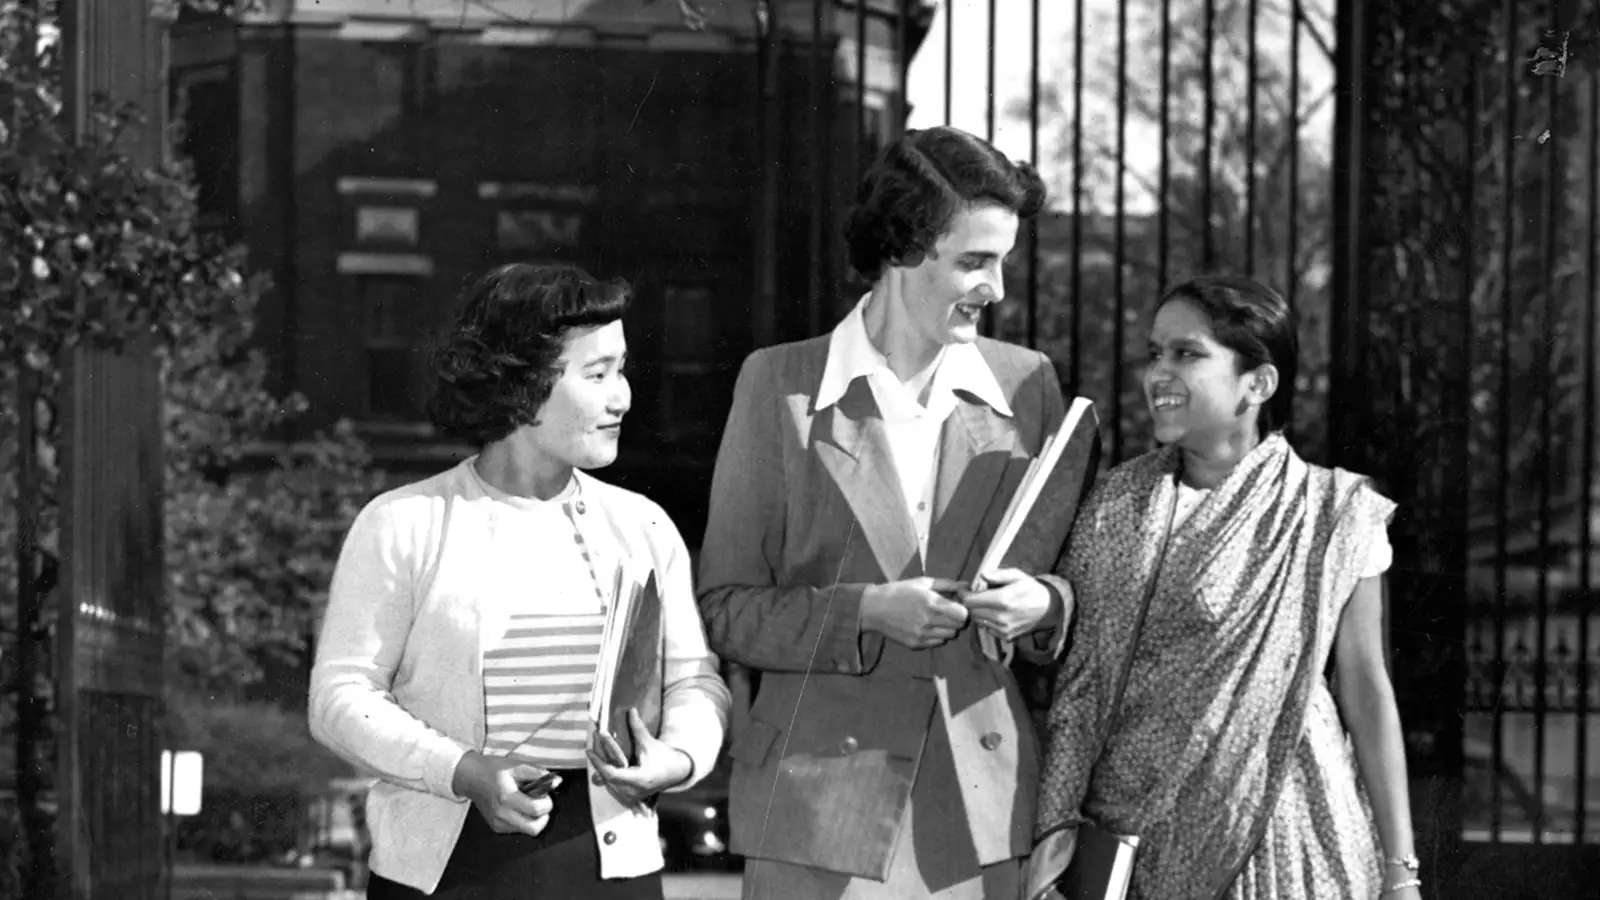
x=1226 y=755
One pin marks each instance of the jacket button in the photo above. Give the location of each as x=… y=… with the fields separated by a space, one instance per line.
x=610 y=838
x=848 y=746
x=990 y=740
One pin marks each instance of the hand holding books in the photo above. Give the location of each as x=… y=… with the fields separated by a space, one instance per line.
x=655 y=767
x=628 y=673
x=625 y=702
x=1039 y=517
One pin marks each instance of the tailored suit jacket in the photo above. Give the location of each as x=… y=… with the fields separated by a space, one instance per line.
x=806 y=512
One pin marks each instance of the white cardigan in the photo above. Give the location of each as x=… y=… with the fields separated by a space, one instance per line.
x=397 y=687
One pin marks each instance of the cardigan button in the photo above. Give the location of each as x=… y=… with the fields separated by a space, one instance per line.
x=848 y=746
x=609 y=838
x=579 y=507
x=597 y=779
x=990 y=740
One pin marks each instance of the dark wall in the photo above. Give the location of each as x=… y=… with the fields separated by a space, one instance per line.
x=630 y=161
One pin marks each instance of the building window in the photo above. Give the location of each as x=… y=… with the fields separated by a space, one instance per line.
x=394 y=326
x=205 y=103
x=538 y=232
x=691 y=395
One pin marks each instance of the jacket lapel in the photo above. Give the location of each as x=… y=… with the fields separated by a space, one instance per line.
x=974 y=455
x=854 y=451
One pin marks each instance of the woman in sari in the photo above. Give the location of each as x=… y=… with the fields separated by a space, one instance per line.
x=1233 y=572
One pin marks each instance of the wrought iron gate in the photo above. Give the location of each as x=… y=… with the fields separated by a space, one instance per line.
x=1420 y=180
x=1466 y=325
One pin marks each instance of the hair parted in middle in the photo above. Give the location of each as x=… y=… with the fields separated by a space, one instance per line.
x=917 y=185
x=500 y=361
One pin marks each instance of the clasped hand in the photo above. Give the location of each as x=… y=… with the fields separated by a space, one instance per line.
x=1012 y=604
x=925 y=612
x=660 y=765
x=493 y=784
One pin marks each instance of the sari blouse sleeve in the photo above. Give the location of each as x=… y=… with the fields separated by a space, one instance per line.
x=1360 y=543
x=1372 y=512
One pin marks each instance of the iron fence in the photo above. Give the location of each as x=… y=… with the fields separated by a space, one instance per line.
x=1176 y=139
x=1422 y=187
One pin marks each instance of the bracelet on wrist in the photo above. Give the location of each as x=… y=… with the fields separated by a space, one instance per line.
x=1409 y=862
x=1402 y=885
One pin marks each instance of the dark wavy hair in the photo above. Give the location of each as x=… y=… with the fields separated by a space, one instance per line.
x=1254 y=321
x=500 y=360
x=918 y=183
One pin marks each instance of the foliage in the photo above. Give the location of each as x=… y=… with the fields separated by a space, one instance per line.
x=97 y=250
x=260 y=767
x=1476 y=262
x=249 y=560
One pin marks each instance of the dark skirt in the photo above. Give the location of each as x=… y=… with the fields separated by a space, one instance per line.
x=562 y=861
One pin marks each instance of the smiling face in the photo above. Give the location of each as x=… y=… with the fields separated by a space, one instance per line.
x=1196 y=392
x=945 y=294
x=578 y=427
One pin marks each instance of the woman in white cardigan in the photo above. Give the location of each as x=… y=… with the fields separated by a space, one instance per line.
x=474 y=616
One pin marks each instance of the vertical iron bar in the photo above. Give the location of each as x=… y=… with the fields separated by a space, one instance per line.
x=1119 y=239
x=1077 y=192
x=1586 y=466
x=1164 y=175
x=1250 y=146
x=1347 y=310
x=861 y=90
x=1033 y=157
x=1469 y=279
x=989 y=109
x=818 y=239
x=903 y=63
x=1551 y=206
x=1208 y=257
x=1508 y=220
x=1291 y=277
x=949 y=58
x=764 y=320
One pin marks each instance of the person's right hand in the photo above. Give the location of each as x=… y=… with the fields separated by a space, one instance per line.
x=914 y=612
x=492 y=784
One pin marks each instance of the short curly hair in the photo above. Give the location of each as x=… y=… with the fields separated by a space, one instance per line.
x=917 y=185
x=500 y=360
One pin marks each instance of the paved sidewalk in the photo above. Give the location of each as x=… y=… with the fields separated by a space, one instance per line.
x=201 y=881
x=700 y=886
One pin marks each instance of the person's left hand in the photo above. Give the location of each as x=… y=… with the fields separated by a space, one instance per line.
x=1013 y=604
x=660 y=765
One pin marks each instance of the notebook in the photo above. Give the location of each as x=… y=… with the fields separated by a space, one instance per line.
x=628 y=674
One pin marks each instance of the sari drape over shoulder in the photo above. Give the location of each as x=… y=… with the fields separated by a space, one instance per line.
x=1226 y=755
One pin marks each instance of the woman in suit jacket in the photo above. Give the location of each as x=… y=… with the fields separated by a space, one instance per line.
x=860 y=476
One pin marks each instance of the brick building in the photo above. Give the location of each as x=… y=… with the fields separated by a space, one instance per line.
x=375 y=153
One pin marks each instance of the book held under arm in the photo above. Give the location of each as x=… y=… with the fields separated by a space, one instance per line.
x=629 y=675
x=1035 y=525
x=1036 y=522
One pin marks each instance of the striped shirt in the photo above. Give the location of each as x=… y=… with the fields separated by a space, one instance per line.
x=538 y=674
x=536 y=688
